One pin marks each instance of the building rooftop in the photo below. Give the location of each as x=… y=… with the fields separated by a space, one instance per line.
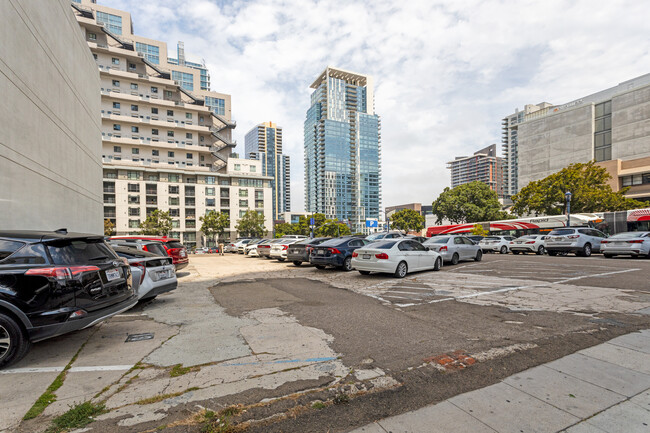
x=342 y=74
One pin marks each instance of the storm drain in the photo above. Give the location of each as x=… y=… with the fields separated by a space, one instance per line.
x=139 y=337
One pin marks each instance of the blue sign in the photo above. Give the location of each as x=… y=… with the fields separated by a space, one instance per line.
x=312 y=221
x=372 y=223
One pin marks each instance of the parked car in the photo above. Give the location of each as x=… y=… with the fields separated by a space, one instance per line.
x=336 y=252
x=299 y=252
x=496 y=243
x=153 y=274
x=475 y=238
x=54 y=283
x=230 y=247
x=294 y=237
x=420 y=239
x=384 y=235
x=155 y=247
x=635 y=244
x=529 y=244
x=201 y=251
x=582 y=241
x=454 y=248
x=213 y=250
x=174 y=248
x=395 y=256
x=279 y=249
x=241 y=245
x=264 y=248
x=252 y=246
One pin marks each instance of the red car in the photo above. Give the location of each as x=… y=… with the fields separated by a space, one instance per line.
x=174 y=248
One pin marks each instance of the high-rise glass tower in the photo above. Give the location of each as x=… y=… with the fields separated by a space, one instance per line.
x=264 y=143
x=342 y=149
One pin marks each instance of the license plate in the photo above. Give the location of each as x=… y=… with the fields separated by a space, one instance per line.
x=112 y=274
x=320 y=252
x=557 y=239
x=182 y=254
x=366 y=256
x=163 y=274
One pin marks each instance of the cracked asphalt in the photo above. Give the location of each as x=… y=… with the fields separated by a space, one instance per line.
x=275 y=339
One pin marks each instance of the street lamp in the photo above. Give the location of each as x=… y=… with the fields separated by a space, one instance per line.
x=568 y=208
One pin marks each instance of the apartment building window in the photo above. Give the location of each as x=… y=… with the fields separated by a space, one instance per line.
x=237 y=167
x=131 y=65
x=170 y=133
x=202 y=158
x=116 y=83
x=185 y=80
x=94 y=56
x=135 y=129
x=210 y=180
x=190 y=201
x=174 y=177
x=170 y=113
x=135 y=151
x=133 y=175
x=210 y=202
x=188 y=115
x=110 y=175
x=224 y=181
x=92 y=36
x=134 y=86
x=134 y=211
x=152 y=177
x=174 y=201
x=253 y=169
x=243 y=193
x=168 y=94
x=117 y=149
x=134 y=108
x=603 y=131
x=189 y=237
x=189 y=191
x=112 y=22
x=134 y=224
x=154 y=131
x=176 y=224
x=636 y=179
x=190 y=180
x=259 y=204
x=174 y=212
x=154 y=90
x=188 y=135
x=209 y=191
x=174 y=189
x=116 y=105
x=242 y=213
x=150 y=52
x=259 y=195
x=134 y=199
x=115 y=61
x=154 y=152
x=189 y=155
x=170 y=154
x=217 y=105
x=243 y=203
x=109 y=187
x=154 y=110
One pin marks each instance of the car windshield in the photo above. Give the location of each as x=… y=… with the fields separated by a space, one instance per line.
x=79 y=251
x=492 y=238
x=157 y=248
x=174 y=244
x=629 y=235
x=438 y=240
x=562 y=232
x=334 y=242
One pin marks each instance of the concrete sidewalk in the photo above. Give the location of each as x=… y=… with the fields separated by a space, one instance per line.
x=605 y=388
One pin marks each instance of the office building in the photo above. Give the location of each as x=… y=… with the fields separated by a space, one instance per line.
x=264 y=143
x=342 y=149
x=611 y=127
x=163 y=146
x=50 y=145
x=483 y=166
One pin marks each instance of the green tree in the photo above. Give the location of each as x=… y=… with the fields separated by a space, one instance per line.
x=407 y=220
x=588 y=185
x=159 y=223
x=214 y=224
x=332 y=228
x=468 y=203
x=109 y=227
x=478 y=230
x=303 y=227
x=282 y=229
x=251 y=224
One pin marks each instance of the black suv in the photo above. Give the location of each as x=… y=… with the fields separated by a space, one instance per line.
x=52 y=283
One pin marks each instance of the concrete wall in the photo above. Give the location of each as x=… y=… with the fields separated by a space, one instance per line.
x=631 y=124
x=50 y=140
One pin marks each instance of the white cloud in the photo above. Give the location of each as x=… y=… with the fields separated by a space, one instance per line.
x=446 y=72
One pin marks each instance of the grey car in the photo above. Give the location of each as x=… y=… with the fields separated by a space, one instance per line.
x=580 y=240
x=635 y=244
x=454 y=248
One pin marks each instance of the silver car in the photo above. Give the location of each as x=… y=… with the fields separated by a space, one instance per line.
x=454 y=248
x=580 y=240
x=635 y=244
x=499 y=244
x=529 y=244
x=152 y=274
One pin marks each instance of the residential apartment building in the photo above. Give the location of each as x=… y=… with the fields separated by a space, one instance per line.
x=611 y=127
x=264 y=143
x=510 y=145
x=342 y=149
x=50 y=145
x=483 y=166
x=163 y=146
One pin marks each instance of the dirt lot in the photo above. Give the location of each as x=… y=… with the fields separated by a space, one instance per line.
x=298 y=349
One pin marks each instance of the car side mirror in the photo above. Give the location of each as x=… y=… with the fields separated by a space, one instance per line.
x=427 y=248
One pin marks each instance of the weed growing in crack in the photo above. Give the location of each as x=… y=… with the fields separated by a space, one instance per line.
x=341 y=398
x=79 y=415
x=220 y=422
x=318 y=405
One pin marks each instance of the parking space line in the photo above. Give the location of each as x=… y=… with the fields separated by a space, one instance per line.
x=72 y=370
x=406 y=293
x=597 y=275
x=401 y=297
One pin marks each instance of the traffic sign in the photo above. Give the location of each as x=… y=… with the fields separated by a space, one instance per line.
x=312 y=221
x=372 y=222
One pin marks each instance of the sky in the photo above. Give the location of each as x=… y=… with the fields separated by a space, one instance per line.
x=445 y=72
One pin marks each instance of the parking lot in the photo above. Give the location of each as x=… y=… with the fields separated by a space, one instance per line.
x=241 y=330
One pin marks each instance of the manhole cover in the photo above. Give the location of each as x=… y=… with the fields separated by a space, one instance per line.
x=139 y=337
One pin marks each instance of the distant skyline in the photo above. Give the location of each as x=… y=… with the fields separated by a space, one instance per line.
x=445 y=72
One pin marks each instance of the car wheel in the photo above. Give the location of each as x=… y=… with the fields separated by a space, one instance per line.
x=320 y=267
x=454 y=259
x=364 y=272
x=479 y=256
x=551 y=253
x=401 y=270
x=297 y=262
x=347 y=264
x=608 y=256
x=515 y=252
x=586 y=250
x=438 y=264
x=13 y=341
x=540 y=250
x=503 y=249
x=280 y=259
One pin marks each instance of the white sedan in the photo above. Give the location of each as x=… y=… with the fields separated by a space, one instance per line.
x=279 y=249
x=395 y=256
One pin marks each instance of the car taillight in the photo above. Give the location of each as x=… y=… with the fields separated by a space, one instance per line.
x=636 y=241
x=511 y=242
x=334 y=251
x=443 y=248
x=355 y=254
x=382 y=256
x=573 y=236
x=604 y=242
x=61 y=272
x=144 y=248
x=142 y=268
x=530 y=242
x=284 y=247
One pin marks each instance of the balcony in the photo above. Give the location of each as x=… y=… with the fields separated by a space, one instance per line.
x=109 y=190
x=152 y=200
